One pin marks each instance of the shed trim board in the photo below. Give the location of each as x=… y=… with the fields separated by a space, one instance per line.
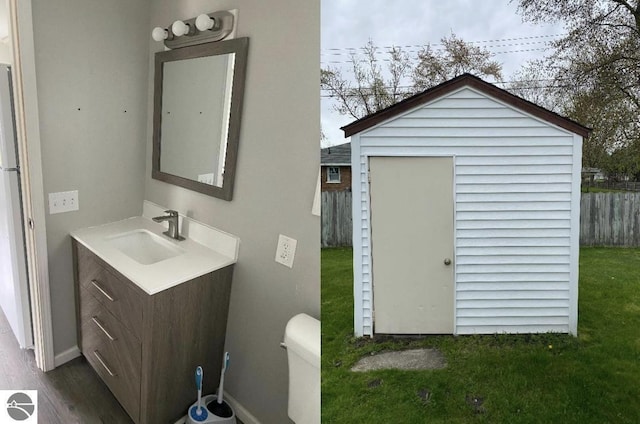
x=516 y=210
x=575 y=234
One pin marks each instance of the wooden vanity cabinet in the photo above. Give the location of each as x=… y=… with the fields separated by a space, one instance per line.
x=146 y=347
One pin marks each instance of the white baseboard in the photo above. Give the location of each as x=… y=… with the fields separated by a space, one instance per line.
x=66 y=356
x=241 y=412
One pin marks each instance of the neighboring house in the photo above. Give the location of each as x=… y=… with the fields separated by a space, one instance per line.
x=335 y=168
x=466 y=209
x=593 y=174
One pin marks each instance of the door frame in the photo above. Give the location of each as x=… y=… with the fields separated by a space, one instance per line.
x=406 y=153
x=29 y=152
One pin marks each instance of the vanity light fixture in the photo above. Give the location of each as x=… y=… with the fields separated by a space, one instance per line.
x=205 y=28
x=205 y=22
x=179 y=28
x=161 y=34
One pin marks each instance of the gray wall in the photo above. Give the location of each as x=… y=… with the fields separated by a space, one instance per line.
x=277 y=171
x=92 y=71
x=5 y=49
x=5 y=54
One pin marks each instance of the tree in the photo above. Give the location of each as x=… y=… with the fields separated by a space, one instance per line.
x=602 y=40
x=535 y=82
x=593 y=75
x=457 y=57
x=372 y=91
x=602 y=46
x=372 y=88
x=609 y=113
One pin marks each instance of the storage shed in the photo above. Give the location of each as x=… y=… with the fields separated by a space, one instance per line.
x=466 y=209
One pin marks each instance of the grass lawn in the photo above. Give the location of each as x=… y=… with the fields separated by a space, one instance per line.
x=547 y=378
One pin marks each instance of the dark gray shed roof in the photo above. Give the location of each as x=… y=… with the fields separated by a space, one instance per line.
x=453 y=84
x=336 y=155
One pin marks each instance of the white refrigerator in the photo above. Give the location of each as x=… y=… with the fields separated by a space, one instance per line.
x=14 y=285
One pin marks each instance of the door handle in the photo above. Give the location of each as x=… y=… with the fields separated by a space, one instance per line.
x=447 y=261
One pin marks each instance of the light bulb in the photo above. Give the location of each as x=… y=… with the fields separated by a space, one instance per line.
x=179 y=28
x=205 y=22
x=159 y=34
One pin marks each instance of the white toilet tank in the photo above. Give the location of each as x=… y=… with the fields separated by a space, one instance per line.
x=302 y=339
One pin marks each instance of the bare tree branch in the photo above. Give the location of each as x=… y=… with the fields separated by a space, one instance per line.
x=372 y=87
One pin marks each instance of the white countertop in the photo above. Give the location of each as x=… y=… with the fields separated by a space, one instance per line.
x=198 y=259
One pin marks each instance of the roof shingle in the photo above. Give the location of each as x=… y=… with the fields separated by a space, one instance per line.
x=336 y=155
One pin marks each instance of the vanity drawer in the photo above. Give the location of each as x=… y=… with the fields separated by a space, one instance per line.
x=115 y=354
x=98 y=323
x=121 y=300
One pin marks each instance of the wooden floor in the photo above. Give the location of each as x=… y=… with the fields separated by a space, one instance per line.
x=70 y=394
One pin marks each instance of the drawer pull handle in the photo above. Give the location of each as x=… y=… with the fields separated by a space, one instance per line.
x=101 y=327
x=101 y=290
x=99 y=358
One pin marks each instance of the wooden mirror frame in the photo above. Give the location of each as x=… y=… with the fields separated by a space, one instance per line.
x=239 y=46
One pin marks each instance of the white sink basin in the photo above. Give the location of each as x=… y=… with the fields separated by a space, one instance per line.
x=154 y=262
x=144 y=247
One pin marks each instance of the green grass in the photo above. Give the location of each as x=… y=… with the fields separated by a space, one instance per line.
x=594 y=378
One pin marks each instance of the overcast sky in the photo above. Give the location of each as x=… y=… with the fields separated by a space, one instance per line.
x=493 y=24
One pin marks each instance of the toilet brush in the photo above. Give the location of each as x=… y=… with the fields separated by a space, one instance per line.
x=197 y=413
x=218 y=407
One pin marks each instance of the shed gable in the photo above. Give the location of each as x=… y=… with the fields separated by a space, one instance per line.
x=464 y=112
x=462 y=81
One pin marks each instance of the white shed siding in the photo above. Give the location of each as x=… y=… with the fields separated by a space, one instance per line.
x=514 y=205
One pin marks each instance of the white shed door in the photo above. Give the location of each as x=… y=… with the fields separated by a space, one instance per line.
x=412 y=244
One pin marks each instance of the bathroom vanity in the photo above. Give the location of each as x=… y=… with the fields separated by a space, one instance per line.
x=144 y=327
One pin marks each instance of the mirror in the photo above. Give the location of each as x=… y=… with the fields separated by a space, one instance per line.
x=198 y=94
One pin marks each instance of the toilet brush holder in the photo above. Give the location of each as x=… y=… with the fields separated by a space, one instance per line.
x=215 y=413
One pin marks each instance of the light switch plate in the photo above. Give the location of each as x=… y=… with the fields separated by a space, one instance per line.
x=286 y=250
x=63 y=201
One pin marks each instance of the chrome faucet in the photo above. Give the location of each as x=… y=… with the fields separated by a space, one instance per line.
x=172 y=218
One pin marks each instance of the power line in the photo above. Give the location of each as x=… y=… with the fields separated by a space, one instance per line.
x=326 y=62
x=350 y=52
x=532 y=37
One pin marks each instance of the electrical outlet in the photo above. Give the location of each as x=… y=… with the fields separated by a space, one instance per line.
x=286 y=250
x=64 y=201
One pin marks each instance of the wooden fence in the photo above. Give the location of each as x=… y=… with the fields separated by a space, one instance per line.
x=610 y=219
x=612 y=185
x=606 y=219
x=336 y=219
